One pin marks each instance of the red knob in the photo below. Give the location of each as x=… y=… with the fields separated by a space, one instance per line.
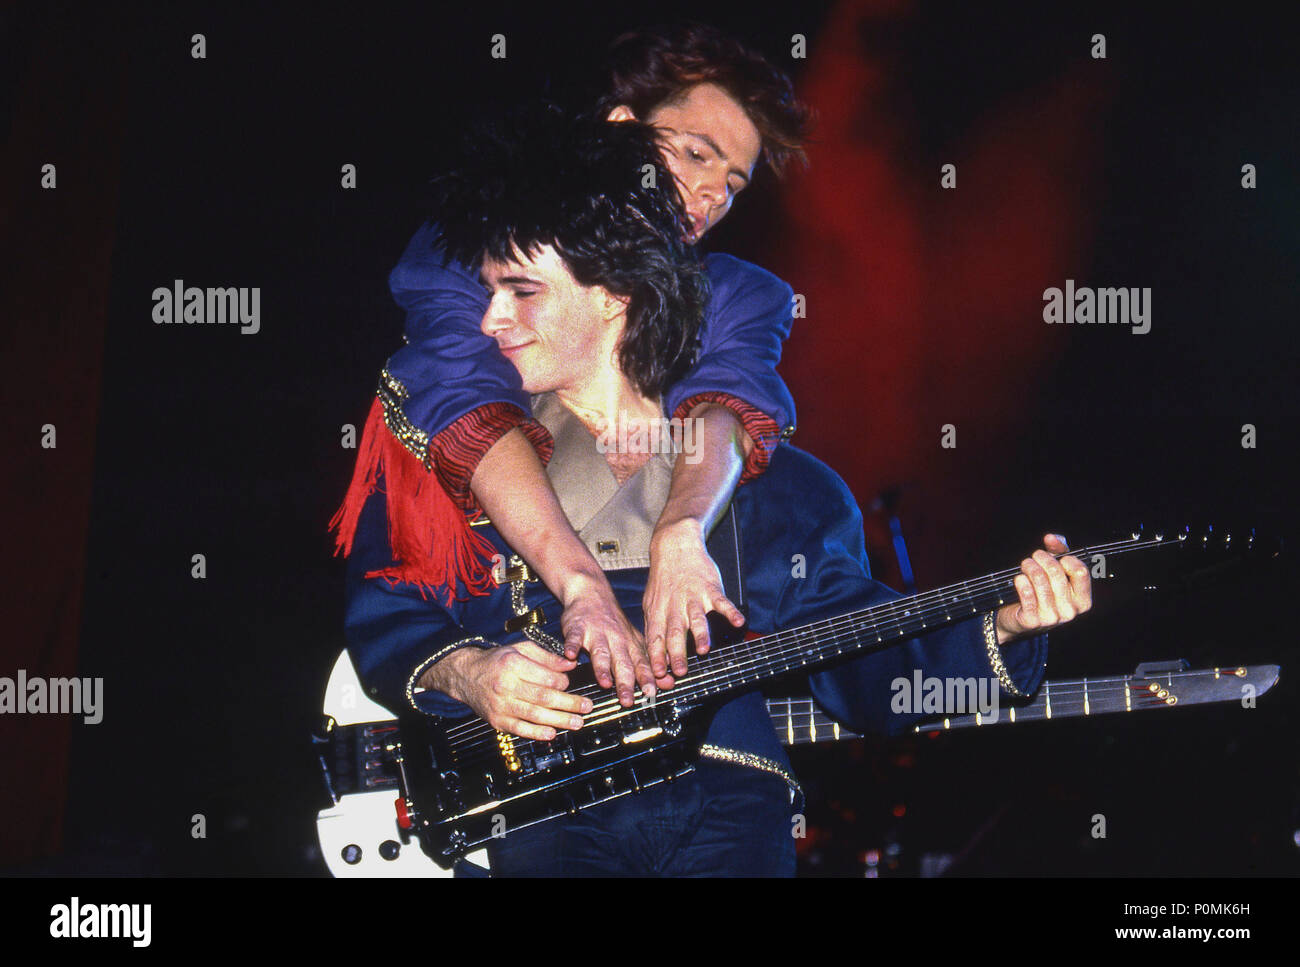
x=404 y=817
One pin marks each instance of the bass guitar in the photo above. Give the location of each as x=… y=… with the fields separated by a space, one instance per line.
x=356 y=746
x=462 y=782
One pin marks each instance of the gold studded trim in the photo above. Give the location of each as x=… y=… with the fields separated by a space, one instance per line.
x=546 y=640
x=529 y=619
x=995 y=655
x=433 y=659
x=522 y=575
x=752 y=761
x=392 y=394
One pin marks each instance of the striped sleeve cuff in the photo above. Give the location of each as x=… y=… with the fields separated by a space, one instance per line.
x=454 y=454
x=762 y=429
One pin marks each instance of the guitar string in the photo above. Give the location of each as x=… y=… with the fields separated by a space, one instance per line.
x=1067 y=694
x=922 y=606
x=607 y=708
x=833 y=631
x=790 y=643
x=835 y=634
x=1061 y=695
x=1069 y=683
x=487 y=751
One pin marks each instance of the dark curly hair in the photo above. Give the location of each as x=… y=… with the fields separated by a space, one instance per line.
x=583 y=186
x=654 y=66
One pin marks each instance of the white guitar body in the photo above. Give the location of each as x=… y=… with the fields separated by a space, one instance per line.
x=355 y=827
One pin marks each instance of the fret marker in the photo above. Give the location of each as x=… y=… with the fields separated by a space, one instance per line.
x=836 y=729
x=812 y=729
x=945 y=724
x=978 y=721
x=1013 y=713
x=1047 y=693
x=1128 y=698
x=1086 y=709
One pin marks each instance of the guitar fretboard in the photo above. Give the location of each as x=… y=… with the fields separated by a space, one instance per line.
x=799 y=721
x=743 y=664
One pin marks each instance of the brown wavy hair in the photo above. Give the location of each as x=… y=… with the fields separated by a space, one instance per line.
x=655 y=66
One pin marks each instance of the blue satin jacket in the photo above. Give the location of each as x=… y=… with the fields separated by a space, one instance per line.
x=798 y=507
x=450 y=367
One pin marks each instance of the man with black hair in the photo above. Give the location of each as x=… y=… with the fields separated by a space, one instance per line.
x=595 y=299
x=719 y=109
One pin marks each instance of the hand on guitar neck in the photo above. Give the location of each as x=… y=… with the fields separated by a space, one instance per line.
x=1051 y=592
x=520 y=688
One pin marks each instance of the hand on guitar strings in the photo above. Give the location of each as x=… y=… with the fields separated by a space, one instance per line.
x=1051 y=592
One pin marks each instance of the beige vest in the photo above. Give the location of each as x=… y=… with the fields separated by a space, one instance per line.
x=614 y=522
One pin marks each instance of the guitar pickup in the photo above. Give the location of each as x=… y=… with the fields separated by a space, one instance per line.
x=642 y=735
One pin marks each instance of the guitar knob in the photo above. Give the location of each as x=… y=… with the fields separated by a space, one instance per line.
x=389 y=849
x=405 y=813
x=352 y=854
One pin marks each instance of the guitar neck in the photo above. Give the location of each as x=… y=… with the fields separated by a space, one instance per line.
x=799 y=721
x=737 y=666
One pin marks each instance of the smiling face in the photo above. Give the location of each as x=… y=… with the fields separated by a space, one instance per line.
x=710 y=145
x=558 y=334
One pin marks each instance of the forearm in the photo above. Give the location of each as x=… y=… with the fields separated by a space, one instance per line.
x=704 y=481
x=448 y=674
x=512 y=487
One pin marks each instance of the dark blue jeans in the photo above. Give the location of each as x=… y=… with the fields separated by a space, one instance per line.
x=720 y=820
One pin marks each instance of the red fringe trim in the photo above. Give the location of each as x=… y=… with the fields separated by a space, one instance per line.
x=432 y=542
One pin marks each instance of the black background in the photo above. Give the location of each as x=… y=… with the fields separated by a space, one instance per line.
x=228 y=445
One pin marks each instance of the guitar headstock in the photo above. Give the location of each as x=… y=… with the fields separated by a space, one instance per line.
x=1209 y=547
x=1208 y=537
